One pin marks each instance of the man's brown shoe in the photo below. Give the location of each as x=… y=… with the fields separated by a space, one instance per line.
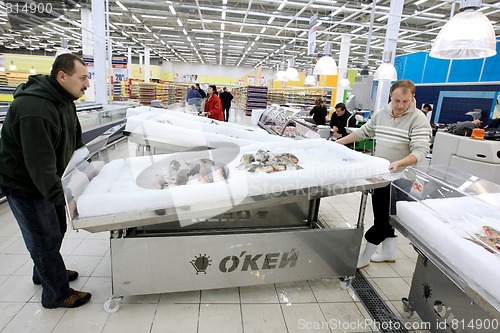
x=74 y=300
x=72 y=275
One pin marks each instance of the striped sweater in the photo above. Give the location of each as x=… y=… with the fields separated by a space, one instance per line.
x=396 y=138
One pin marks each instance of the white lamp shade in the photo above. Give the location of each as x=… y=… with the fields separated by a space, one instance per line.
x=468 y=35
x=292 y=74
x=326 y=65
x=32 y=70
x=310 y=80
x=385 y=72
x=345 y=84
x=281 y=76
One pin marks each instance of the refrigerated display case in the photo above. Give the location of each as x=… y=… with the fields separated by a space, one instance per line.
x=452 y=220
x=290 y=122
x=247 y=221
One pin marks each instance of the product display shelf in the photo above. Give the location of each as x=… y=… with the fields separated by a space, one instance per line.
x=14 y=78
x=299 y=95
x=147 y=92
x=256 y=98
x=120 y=91
x=134 y=87
x=180 y=92
x=3 y=79
x=162 y=93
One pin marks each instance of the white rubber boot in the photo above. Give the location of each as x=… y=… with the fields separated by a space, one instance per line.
x=364 y=258
x=388 y=253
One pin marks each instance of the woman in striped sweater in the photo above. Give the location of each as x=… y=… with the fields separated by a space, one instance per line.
x=402 y=135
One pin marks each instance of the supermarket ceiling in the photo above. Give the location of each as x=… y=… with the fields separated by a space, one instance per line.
x=235 y=32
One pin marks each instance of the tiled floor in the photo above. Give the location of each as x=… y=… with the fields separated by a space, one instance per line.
x=303 y=306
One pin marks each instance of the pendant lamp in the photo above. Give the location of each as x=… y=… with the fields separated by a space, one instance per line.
x=468 y=35
x=291 y=73
x=326 y=65
x=281 y=74
x=386 y=71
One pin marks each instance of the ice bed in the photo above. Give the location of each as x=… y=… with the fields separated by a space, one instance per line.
x=124 y=188
x=162 y=129
x=454 y=225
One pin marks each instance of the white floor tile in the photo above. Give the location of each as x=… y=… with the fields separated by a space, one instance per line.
x=103 y=268
x=92 y=247
x=216 y=318
x=224 y=295
x=328 y=290
x=15 y=289
x=12 y=262
x=262 y=318
x=265 y=293
x=295 y=292
x=131 y=318
x=304 y=318
x=344 y=317
x=87 y=318
x=393 y=288
x=8 y=310
x=84 y=265
x=175 y=318
x=186 y=297
x=34 y=318
x=5 y=242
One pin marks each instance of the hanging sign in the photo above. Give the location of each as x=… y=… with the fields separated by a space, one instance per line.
x=89 y=62
x=120 y=72
x=311 y=38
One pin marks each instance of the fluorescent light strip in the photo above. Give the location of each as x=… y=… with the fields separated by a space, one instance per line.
x=136 y=19
x=121 y=6
x=172 y=10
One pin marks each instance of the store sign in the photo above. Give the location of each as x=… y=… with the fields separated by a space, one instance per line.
x=89 y=62
x=120 y=71
x=248 y=262
x=311 y=39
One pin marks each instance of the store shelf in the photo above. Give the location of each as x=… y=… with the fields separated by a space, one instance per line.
x=304 y=96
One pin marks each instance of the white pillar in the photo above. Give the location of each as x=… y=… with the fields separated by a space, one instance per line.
x=98 y=24
x=88 y=49
x=345 y=45
x=146 y=65
x=129 y=62
x=391 y=41
x=141 y=70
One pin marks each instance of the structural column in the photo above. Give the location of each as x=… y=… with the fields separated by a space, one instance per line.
x=99 y=37
x=345 y=45
x=391 y=41
x=146 y=65
x=88 y=50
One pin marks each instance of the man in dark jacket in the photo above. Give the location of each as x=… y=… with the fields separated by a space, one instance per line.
x=338 y=121
x=201 y=91
x=40 y=133
x=226 y=97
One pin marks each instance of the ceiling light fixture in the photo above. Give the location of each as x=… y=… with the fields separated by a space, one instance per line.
x=468 y=35
x=121 y=5
x=172 y=10
x=386 y=71
x=136 y=19
x=326 y=65
x=32 y=70
x=271 y=19
x=12 y=66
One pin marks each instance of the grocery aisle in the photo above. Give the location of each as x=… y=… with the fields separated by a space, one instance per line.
x=305 y=306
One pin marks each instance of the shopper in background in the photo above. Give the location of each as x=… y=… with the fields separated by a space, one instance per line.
x=402 y=135
x=339 y=121
x=213 y=105
x=40 y=133
x=319 y=111
x=464 y=128
x=226 y=97
x=427 y=110
x=201 y=91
